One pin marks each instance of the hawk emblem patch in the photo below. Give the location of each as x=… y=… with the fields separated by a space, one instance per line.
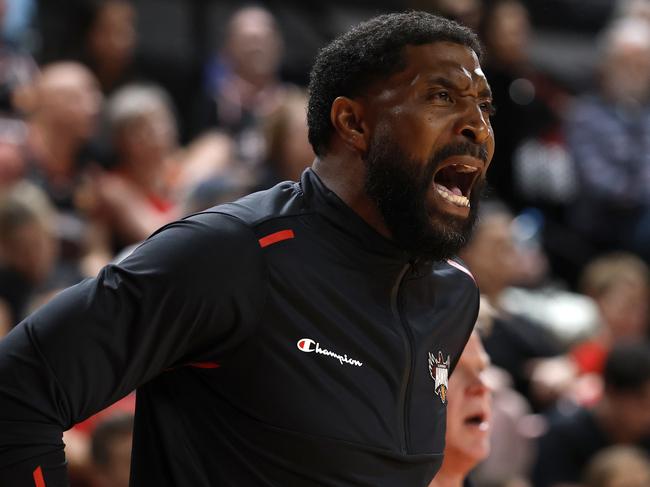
x=439 y=370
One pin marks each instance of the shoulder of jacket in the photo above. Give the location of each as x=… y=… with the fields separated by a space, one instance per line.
x=281 y=201
x=460 y=266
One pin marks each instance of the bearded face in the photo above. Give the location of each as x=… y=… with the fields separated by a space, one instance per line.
x=404 y=190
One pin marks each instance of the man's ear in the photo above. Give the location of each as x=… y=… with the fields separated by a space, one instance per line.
x=347 y=116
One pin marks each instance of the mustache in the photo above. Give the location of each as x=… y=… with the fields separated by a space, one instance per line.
x=477 y=151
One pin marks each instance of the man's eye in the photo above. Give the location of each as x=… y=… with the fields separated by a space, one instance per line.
x=488 y=107
x=440 y=96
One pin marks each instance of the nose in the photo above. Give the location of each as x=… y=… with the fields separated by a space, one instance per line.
x=474 y=125
x=480 y=385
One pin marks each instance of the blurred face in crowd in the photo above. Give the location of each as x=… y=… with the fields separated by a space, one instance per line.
x=69 y=99
x=467 y=12
x=113 y=34
x=468 y=410
x=618 y=466
x=624 y=307
x=254 y=45
x=492 y=254
x=31 y=250
x=633 y=475
x=626 y=70
x=149 y=139
x=508 y=33
x=288 y=144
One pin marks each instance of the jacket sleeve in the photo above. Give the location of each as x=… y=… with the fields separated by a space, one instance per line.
x=189 y=293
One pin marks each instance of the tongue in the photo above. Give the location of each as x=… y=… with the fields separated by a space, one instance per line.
x=456 y=190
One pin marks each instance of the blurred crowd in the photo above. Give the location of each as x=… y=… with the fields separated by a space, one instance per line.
x=117 y=117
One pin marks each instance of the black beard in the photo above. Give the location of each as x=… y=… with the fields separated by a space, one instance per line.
x=398 y=185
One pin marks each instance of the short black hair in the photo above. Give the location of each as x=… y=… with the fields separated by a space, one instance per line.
x=370 y=51
x=627 y=367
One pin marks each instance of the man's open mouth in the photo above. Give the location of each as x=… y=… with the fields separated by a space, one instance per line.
x=454 y=182
x=479 y=420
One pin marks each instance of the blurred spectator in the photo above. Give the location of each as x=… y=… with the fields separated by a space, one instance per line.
x=609 y=137
x=498 y=263
x=523 y=94
x=467 y=440
x=217 y=190
x=83 y=468
x=618 y=466
x=63 y=113
x=13 y=135
x=621 y=416
x=619 y=283
x=17 y=69
x=243 y=86
x=110 y=43
x=111 y=451
x=635 y=9
x=28 y=247
x=133 y=200
x=6 y=321
x=289 y=151
x=466 y=12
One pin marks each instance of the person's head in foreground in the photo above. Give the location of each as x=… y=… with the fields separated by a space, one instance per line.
x=618 y=466
x=399 y=119
x=468 y=416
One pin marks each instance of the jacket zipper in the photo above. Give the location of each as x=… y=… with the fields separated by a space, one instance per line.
x=408 y=365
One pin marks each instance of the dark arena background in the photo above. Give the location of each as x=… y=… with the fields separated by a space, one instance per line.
x=117 y=117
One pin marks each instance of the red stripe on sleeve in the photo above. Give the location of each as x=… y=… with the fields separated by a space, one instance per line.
x=276 y=237
x=205 y=365
x=39 y=481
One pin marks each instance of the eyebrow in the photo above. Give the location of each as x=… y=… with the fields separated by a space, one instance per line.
x=447 y=83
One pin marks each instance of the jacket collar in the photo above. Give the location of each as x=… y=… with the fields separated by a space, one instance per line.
x=327 y=203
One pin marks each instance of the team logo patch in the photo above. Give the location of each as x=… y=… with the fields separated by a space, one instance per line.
x=439 y=371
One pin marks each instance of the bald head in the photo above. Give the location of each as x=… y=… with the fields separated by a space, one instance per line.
x=625 y=63
x=254 y=44
x=67 y=99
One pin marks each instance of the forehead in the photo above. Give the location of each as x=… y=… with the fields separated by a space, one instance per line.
x=453 y=61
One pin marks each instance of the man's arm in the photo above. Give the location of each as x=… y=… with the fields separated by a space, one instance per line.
x=190 y=292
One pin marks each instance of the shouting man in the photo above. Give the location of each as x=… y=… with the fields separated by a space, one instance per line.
x=301 y=336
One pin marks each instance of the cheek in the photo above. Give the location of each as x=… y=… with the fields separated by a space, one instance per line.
x=454 y=414
x=491 y=146
x=419 y=134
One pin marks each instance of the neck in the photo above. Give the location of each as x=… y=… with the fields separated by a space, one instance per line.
x=347 y=180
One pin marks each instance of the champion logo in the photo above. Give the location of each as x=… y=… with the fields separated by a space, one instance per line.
x=308 y=345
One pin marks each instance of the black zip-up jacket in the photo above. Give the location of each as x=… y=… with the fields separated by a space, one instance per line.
x=275 y=341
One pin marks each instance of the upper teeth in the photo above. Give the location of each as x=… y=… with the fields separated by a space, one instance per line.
x=464 y=168
x=453 y=198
